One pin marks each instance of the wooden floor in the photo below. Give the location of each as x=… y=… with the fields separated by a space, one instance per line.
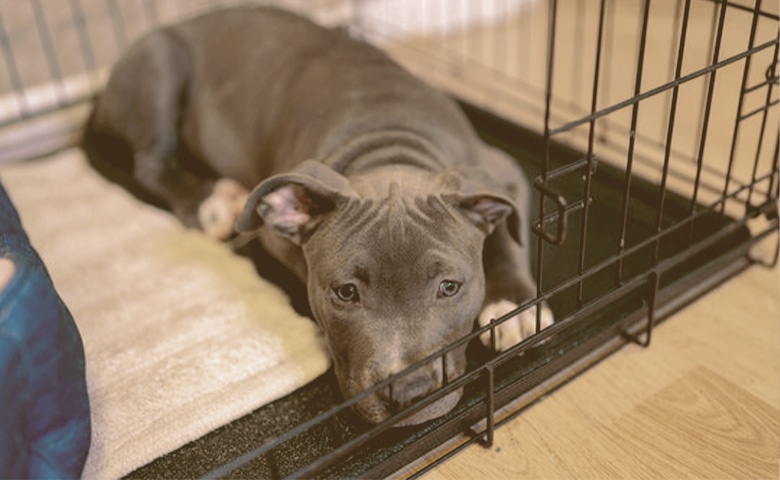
x=702 y=402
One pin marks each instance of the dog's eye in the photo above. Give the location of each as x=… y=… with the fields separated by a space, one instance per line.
x=448 y=288
x=347 y=292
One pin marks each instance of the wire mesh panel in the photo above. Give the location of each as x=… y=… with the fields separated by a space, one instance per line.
x=56 y=55
x=643 y=198
x=629 y=84
x=601 y=60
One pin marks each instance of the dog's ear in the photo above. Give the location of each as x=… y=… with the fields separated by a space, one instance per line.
x=481 y=200
x=292 y=204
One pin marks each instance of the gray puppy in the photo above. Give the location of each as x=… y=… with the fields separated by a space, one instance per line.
x=367 y=183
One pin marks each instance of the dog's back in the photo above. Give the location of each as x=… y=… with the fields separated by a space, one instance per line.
x=266 y=89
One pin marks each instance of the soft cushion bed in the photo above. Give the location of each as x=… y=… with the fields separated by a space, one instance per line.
x=180 y=334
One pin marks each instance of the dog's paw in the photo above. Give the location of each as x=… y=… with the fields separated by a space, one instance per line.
x=218 y=213
x=514 y=330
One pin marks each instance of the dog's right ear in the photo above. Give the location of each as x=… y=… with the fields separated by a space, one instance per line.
x=292 y=204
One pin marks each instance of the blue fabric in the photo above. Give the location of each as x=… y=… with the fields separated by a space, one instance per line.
x=44 y=408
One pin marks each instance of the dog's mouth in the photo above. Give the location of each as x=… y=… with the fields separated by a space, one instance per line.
x=375 y=409
x=436 y=409
x=419 y=394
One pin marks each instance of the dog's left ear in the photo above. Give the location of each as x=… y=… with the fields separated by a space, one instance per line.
x=481 y=200
x=294 y=203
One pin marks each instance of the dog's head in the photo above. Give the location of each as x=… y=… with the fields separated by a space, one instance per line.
x=394 y=271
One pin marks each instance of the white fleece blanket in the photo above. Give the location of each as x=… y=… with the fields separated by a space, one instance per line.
x=181 y=335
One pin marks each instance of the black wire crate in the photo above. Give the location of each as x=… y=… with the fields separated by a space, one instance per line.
x=643 y=198
x=329 y=441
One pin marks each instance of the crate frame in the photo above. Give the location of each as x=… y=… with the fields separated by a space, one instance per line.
x=574 y=153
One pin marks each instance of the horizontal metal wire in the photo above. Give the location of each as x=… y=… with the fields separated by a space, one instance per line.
x=662 y=88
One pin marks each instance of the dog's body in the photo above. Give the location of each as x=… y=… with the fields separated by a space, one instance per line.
x=370 y=185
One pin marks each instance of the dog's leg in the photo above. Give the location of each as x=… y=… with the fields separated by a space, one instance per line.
x=150 y=112
x=212 y=206
x=218 y=213
x=509 y=282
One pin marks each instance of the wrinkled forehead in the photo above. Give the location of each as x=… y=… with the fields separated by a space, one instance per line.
x=403 y=224
x=409 y=218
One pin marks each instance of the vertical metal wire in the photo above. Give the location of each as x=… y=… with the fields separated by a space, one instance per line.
x=606 y=83
x=672 y=58
x=493 y=334
x=590 y=160
x=490 y=401
x=579 y=44
x=735 y=136
x=776 y=168
x=654 y=281
x=490 y=387
x=631 y=142
x=762 y=130
x=490 y=406
x=85 y=45
x=552 y=20
x=390 y=392
x=659 y=214
x=551 y=36
x=49 y=52
x=706 y=118
x=17 y=85
x=710 y=54
x=444 y=375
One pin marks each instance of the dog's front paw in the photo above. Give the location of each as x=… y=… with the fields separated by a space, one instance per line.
x=218 y=213
x=514 y=330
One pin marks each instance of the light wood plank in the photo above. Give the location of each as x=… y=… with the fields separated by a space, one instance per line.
x=702 y=402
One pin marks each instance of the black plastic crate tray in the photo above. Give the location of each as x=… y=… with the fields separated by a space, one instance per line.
x=587 y=335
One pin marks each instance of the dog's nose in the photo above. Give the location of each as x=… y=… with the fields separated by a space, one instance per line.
x=411 y=388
